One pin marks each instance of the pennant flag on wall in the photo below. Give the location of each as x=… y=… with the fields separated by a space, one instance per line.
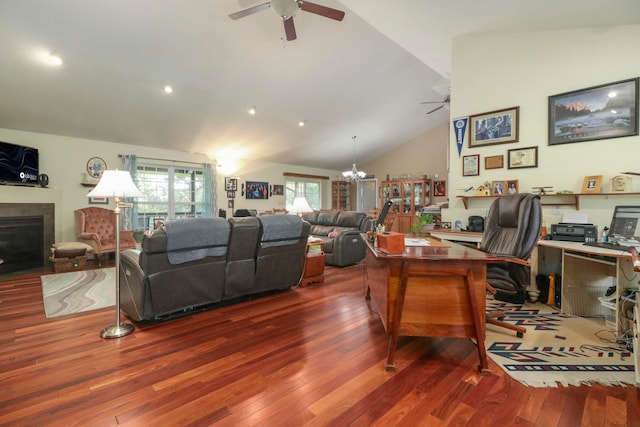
x=460 y=125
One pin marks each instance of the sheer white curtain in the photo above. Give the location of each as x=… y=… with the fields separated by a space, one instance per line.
x=210 y=198
x=128 y=215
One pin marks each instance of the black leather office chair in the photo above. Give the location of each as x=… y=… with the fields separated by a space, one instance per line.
x=512 y=229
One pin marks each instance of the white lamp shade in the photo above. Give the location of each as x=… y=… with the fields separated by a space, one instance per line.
x=115 y=183
x=300 y=205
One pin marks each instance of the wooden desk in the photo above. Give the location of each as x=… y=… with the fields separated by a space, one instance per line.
x=473 y=237
x=436 y=290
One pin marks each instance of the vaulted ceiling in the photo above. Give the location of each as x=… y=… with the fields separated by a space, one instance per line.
x=365 y=76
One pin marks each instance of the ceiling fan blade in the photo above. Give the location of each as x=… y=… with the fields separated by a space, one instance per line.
x=436 y=109
x=325 y=11
x=250 y=11
x=289 y=29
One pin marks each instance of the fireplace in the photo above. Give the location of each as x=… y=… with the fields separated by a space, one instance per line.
x=26 y=235
x=21 y=241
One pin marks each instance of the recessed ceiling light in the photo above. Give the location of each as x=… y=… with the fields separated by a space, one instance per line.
x=168 y=89
x=301 y=123
x=252 y=110
x=54 y=60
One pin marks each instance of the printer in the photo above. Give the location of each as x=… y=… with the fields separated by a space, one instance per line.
x=574 y=232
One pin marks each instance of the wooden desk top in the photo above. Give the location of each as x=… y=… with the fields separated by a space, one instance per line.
x=582 y=248
x=436 y=251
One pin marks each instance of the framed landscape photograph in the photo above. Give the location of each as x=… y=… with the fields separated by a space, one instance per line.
x=598 y=112
x=471 y=165
x=494 y=127
x=592 y=184
x=523 y=158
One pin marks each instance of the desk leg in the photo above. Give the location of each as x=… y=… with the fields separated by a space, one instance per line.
x=483 y=368
x=397 y=317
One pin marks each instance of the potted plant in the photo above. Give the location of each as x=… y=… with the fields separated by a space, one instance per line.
x=425 y=223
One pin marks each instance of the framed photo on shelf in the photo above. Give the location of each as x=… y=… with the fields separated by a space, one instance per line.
x=521 y=158
x=494 y=162
x=607 y=111
x=440 y=188
x=512 y=186
x=494 y=127
x=592 y=184
x=497 y=188
x=471 y=165
x=230 y=184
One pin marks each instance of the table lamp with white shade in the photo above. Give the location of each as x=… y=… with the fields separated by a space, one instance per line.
x=116 y=184
x=300 y=205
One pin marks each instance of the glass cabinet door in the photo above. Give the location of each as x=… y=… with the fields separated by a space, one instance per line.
x=418 y=201
x=407 y=195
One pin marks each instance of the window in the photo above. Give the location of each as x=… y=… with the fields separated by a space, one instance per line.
x=310 y=188
x=170 y=192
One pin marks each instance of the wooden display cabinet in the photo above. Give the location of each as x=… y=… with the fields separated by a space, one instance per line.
x=341 y=195
x=408 y=196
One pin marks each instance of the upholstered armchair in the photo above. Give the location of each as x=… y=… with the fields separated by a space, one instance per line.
x=97 y=228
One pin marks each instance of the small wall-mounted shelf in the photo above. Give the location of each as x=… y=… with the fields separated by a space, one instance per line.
x=572 y=199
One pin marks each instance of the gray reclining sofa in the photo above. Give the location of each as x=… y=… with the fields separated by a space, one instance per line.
x=347 y=247
x=193 y=263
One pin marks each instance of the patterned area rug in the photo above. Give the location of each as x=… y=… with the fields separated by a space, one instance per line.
x=557 y=349
x=78 y=291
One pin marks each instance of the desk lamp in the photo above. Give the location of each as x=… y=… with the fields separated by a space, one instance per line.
x=116 y=184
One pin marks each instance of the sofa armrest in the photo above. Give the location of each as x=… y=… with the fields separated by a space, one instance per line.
x=348 y=249
x=134 y=293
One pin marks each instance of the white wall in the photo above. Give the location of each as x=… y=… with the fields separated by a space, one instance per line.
x=493 y=72
x=426 y=154
x=64 y=159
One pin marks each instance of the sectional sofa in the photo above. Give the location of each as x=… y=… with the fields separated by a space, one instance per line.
x=340 y=231
x=193 y=263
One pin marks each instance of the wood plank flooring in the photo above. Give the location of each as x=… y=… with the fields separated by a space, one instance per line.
x=311 y=356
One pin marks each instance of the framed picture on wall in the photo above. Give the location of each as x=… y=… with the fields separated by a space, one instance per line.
x=257 y=190
x=440 y=188
x=599 y=112
x=523 y=158
x=471 y=165
x=494 y=127
x=230 y=184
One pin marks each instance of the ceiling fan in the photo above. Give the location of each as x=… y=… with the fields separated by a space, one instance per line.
x=286 y=9
x=446 y=101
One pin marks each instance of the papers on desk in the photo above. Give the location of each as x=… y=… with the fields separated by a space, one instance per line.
x=409 y=241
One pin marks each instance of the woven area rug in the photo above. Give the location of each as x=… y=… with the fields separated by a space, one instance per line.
x=78 y=291
x=557 y=349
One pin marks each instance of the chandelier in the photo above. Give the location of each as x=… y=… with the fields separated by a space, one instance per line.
x=354 y=174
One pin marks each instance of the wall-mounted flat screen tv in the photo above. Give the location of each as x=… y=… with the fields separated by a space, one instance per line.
x=18 y=164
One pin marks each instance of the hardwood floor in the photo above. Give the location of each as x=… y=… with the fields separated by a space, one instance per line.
x=312 y=356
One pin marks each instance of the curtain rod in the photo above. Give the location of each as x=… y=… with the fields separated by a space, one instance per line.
x=165 y=160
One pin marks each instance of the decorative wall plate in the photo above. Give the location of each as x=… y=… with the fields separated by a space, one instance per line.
x=96 y=166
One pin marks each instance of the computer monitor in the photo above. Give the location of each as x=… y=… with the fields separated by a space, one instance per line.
x=383 y=214
x=625 y=225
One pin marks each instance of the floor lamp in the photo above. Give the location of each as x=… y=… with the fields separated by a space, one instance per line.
x=116 y=184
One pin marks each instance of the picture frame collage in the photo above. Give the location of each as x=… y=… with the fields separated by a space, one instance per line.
x=604 y=116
